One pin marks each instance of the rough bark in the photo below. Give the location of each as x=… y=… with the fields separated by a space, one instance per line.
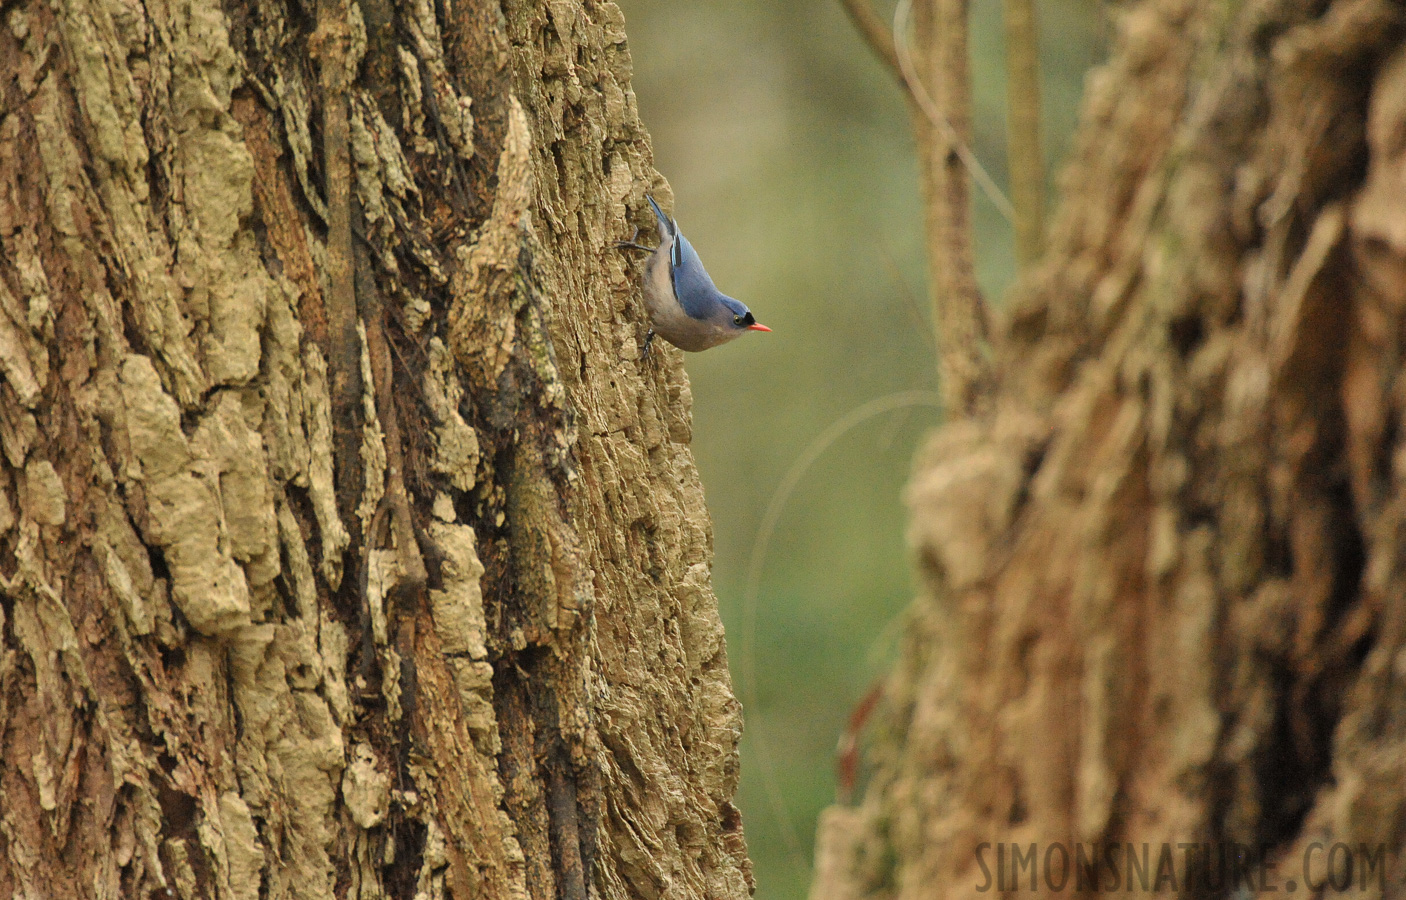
x=1163 y=577
x=348 y=548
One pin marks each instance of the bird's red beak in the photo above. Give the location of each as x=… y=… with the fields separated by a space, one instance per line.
x=757 y=326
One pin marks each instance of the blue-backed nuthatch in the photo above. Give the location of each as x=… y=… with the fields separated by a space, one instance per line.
x=685 y=307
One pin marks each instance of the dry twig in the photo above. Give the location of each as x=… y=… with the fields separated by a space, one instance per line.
x=1027 y=163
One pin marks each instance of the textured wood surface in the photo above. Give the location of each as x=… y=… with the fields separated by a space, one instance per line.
x=348 y=548
x=1163 y=581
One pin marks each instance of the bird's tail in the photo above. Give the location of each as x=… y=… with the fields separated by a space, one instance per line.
x=667 y=228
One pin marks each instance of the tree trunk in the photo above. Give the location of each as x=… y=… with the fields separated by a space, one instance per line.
x=1163 y=578
x=348 y=547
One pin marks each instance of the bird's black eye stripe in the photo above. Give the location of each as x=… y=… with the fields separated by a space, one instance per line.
x=748 y=319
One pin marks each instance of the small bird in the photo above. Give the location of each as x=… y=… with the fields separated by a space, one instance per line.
x=685 y=307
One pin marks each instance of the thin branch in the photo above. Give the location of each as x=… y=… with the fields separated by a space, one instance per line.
x=876 y=34
x=959 y=310
x=1027 y=164
x=935 y=115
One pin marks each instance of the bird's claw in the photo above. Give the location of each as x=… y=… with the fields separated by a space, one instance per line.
x=648 y=340
x=632 y=243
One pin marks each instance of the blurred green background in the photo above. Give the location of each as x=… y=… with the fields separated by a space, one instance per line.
x=791 y=158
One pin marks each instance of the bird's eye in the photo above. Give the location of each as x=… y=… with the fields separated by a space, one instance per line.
x=744 y=321
x=737 y=320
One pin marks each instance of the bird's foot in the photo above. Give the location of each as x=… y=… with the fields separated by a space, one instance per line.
x=632 y=243
x=648 y=341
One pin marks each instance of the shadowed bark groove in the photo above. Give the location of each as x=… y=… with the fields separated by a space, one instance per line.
x=1163 y=577
x=347 y=547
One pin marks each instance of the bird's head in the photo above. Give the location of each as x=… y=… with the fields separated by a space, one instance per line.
x=735 y=316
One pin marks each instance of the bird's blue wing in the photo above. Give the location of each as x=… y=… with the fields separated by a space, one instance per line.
x=697 y=294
